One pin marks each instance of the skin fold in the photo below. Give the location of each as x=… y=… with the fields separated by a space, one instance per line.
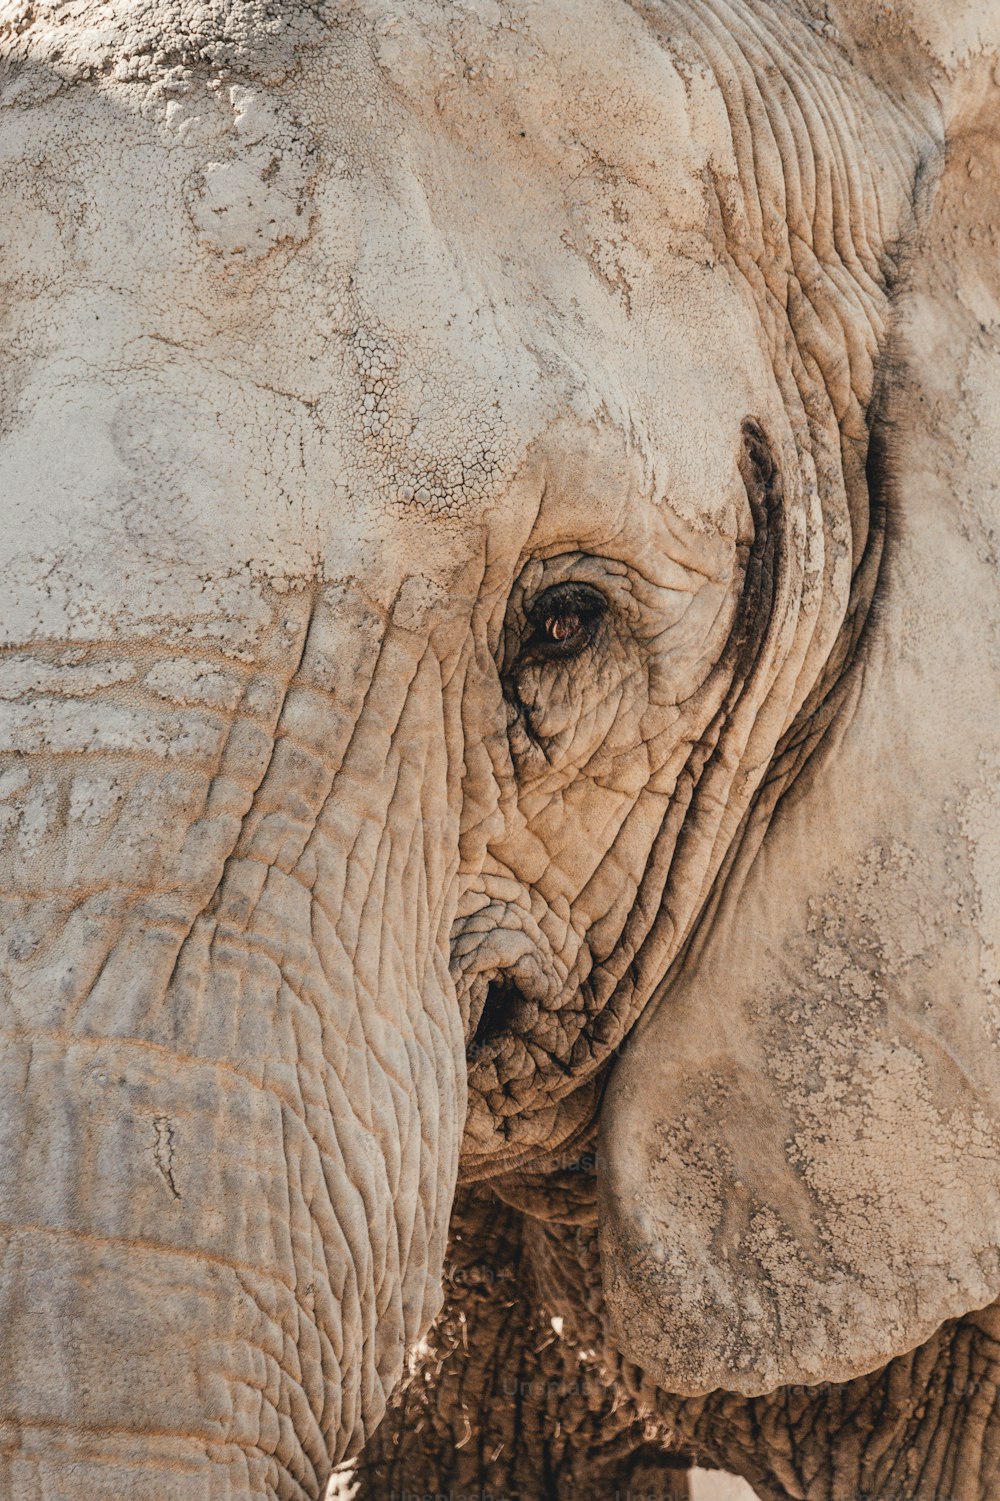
x=499 y=606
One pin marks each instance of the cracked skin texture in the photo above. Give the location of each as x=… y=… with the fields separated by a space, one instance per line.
x=347 y=349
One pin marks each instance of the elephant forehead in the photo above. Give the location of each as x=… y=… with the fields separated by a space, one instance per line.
x=279 y=326
x=588 y=85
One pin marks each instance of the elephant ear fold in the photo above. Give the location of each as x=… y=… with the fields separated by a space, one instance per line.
x=799 y=1166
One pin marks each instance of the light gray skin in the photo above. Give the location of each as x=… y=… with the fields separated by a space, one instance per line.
x=499 y=559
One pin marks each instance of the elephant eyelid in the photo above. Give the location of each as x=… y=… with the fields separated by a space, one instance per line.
x=563 y=620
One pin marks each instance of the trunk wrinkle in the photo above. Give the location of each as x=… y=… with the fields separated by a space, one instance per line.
x=237 y=843
x=195 y=1060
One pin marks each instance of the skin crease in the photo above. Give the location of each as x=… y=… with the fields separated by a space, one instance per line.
x=340 y=342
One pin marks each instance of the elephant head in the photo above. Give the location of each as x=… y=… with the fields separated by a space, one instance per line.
x=443 y=523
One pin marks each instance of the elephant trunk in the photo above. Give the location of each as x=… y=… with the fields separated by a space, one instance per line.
x=232 y=1092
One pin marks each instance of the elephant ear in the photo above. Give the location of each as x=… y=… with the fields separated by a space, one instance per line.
x=799 y=1167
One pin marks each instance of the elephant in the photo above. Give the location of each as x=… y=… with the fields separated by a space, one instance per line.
x=499 y=718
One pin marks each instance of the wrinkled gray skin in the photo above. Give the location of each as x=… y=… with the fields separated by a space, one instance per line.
x=500 y=663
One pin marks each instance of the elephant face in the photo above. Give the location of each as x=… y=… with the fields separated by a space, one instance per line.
x=439 y=497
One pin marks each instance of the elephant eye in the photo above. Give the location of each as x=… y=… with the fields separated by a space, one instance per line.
x=563 y=620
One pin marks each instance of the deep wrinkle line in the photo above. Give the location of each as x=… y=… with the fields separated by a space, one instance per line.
x=221 y=1065
x=143 y=1243
x=176 y=1465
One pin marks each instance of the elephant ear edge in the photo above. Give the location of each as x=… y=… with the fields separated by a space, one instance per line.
x=799 y=1163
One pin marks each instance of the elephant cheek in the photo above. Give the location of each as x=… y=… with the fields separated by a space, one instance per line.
x=232 y=1092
